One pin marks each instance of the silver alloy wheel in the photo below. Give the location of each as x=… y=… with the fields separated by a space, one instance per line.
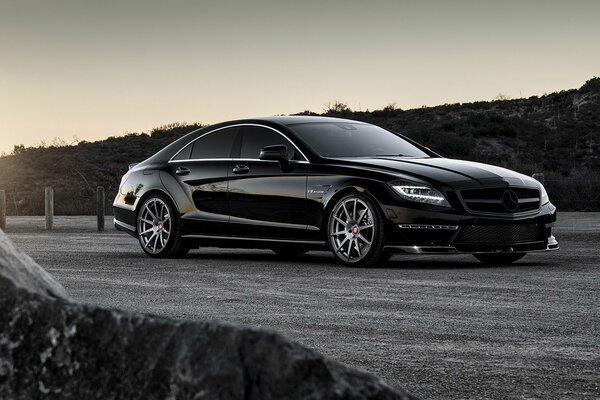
x=154 y=225
x=352 y=229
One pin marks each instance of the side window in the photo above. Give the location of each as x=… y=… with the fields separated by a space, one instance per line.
x=184 y=154
x=215 y=145
x=255 y=138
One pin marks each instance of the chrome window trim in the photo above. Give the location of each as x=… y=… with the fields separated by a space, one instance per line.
x=246 y=159
x=200 y=159
x=233 y=159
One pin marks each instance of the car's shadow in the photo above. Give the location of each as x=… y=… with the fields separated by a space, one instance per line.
x=398 y=261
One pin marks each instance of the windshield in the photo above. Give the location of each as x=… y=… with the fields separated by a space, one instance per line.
x=333 y=139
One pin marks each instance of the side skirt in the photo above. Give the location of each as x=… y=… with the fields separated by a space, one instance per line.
x=252 y=243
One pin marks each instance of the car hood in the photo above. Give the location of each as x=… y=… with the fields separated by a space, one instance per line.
x=458 y=173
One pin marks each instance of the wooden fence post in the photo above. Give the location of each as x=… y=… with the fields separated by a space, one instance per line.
x=2 y=209
x=49 y=207
x=100 y=198
x=538 y=176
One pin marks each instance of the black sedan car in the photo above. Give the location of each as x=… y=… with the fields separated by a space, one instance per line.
x=298 y=183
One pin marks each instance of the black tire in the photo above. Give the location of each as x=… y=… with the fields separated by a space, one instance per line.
x=499 y=258
x=158 y=228
x=356 y=237
x=291 y=250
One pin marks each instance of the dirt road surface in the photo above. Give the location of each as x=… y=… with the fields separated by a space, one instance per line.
x=442 y=327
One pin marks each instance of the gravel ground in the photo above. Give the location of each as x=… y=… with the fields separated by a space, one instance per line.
x=442 y=327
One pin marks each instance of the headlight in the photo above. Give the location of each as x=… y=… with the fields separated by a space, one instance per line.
x=421 y=194
x=545 y=199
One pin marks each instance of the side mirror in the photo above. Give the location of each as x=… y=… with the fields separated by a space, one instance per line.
x=277 y=152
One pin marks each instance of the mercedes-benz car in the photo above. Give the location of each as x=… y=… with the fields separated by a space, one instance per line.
x=299 y=183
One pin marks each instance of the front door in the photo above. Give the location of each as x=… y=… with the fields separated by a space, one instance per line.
x=266 y=200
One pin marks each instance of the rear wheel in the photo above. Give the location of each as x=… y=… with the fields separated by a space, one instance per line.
x=499 y=258
x=355 y=231
x=158 y=229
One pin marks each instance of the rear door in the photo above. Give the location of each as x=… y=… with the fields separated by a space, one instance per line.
x=266 y=200
x=202 y=169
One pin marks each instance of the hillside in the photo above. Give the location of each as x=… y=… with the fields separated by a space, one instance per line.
x=558 y=134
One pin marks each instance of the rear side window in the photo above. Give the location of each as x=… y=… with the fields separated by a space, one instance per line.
x=256 y=137
x=217 y=144
x=184 y=154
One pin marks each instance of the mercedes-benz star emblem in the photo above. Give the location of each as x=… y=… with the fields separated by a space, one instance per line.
x=510 y=200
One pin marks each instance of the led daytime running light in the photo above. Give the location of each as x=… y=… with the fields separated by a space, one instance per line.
x=421 y=194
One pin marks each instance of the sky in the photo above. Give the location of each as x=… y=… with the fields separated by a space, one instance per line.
x=86 y=70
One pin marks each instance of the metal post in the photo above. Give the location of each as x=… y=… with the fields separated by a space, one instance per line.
x=49 y=207
x=100 y=198
x=539 y=176
x=2 y=209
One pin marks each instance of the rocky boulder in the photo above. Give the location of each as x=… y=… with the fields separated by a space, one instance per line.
x=53 y=348
x=24 y=273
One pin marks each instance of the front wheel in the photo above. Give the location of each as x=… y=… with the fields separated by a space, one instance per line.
x=499 y=258
x=158 y=229
x=355 y=231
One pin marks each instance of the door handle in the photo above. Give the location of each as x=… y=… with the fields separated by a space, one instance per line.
x=182 y=171
x=241 y=169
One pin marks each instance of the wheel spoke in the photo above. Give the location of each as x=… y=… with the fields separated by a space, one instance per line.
x=349 y=250
x=339 y=220
x=146 y=221
x=146 y=231
x=150 y=212
x=341 y=244
x=346 y=212
x=150 y=240
x=364 y=239
x=366 y=226
x=156 y=209
x=362 y=215
x=338 y=233
x=354 y=209
x=357 y=247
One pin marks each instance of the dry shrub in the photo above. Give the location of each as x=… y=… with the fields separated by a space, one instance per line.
x=579 y=191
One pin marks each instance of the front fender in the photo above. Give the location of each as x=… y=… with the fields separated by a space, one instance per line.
x=324 y=191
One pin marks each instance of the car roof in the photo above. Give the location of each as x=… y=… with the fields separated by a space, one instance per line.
x=288 y=120
x=285 y=121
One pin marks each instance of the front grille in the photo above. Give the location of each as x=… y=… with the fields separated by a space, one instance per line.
x=500 y=234
x=500 y=201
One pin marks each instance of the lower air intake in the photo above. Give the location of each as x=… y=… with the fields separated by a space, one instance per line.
x=499 y=234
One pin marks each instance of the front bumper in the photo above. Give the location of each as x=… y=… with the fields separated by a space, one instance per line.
x=427 y=232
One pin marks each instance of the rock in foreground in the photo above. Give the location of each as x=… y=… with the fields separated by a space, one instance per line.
x=52 y=348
